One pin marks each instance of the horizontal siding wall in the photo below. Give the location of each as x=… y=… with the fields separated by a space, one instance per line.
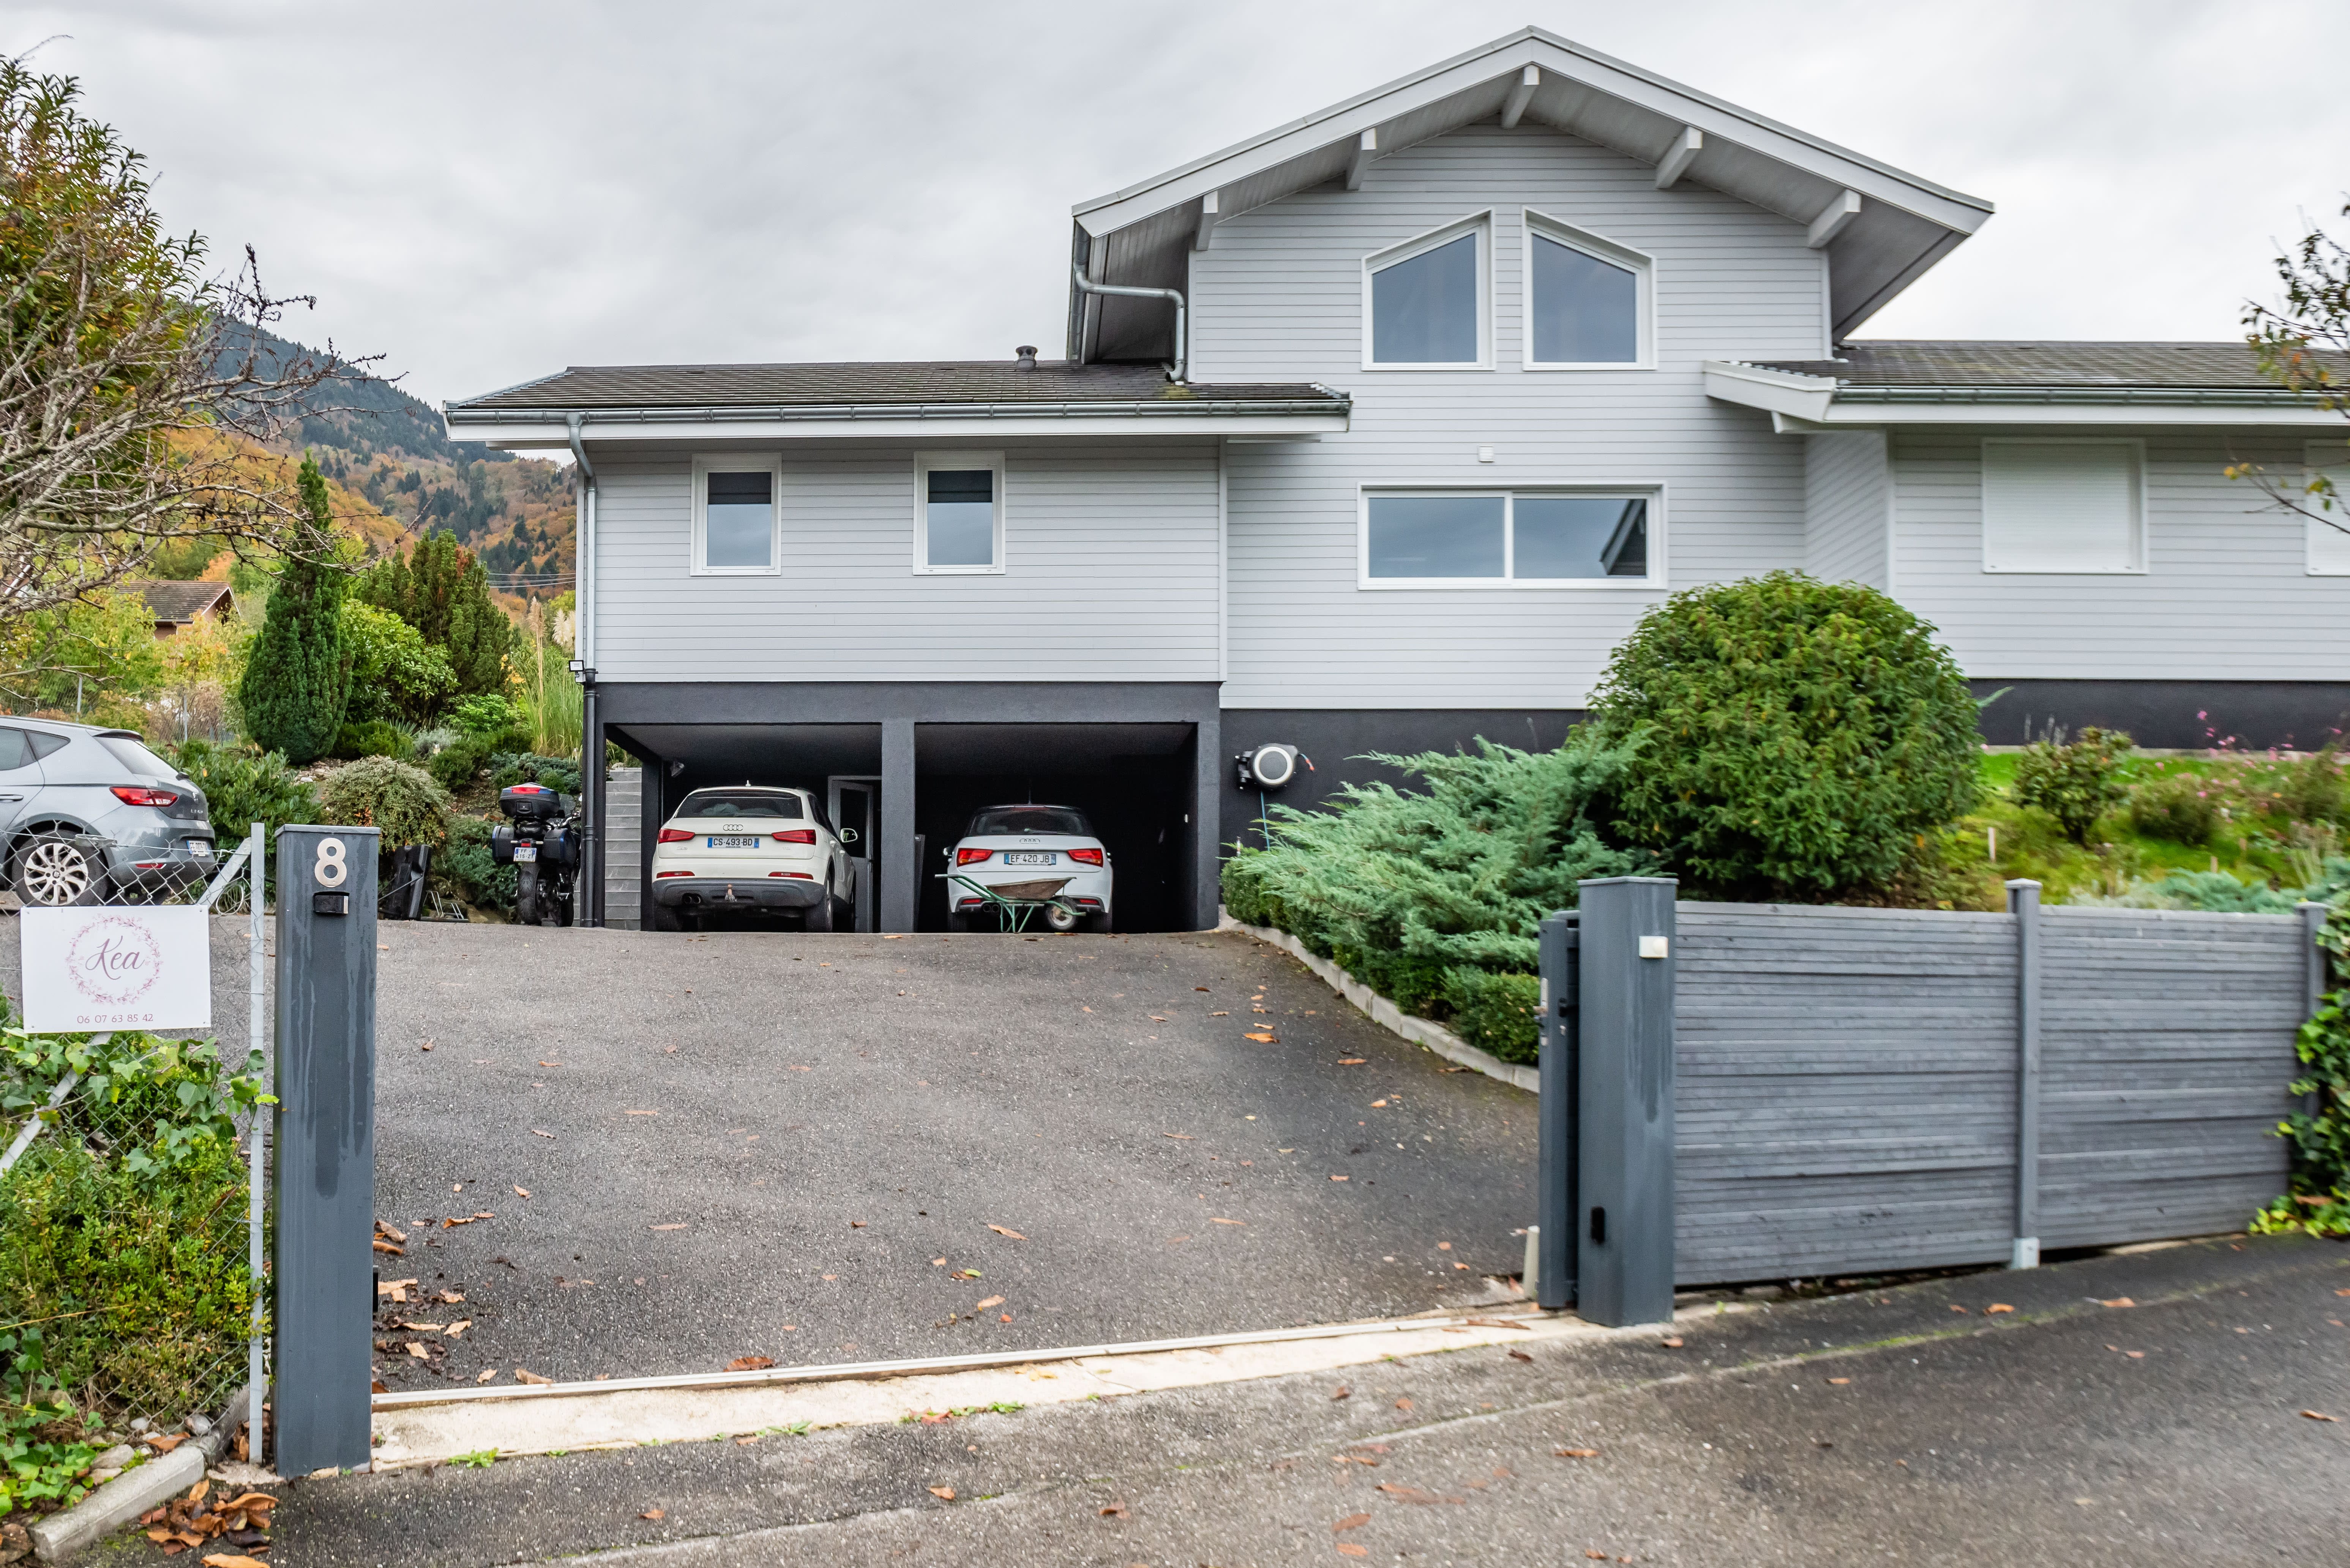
x=1279 y=296
x=1111 y=558
x=2165 y=1045
x=1846 y=1095
x=2225 y=596
x=1848 y=497
x=1847 y=1082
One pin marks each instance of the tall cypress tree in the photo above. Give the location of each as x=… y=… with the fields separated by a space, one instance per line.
x=296 y=683
x=445 y=593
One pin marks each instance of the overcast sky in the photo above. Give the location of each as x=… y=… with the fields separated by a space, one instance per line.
x=486 y=193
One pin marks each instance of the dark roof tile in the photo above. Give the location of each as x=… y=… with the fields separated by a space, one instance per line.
x=181 y=602
x=2229 y=366
x=917 y=381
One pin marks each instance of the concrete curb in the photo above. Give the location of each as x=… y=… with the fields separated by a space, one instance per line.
x=121 y=1501
x=1385 y=1013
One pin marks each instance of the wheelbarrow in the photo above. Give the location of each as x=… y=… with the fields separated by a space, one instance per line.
x=1017 y=903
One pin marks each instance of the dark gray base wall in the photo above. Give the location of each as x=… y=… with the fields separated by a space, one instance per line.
x=2299 y=715
x=1333 y=738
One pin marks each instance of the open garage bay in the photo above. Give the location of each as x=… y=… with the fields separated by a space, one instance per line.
x=665 y=1152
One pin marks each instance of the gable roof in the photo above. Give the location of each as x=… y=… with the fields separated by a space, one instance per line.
x=1860 y=367
x=1903 y=225
x=180 y=603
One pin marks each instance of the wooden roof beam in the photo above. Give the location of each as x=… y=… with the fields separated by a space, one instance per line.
x=1513 y=108
x=1364 y=150
x=1832 y=219
x=1679 y=157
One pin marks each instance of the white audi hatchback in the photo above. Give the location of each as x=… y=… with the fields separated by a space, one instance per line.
x=1047 y=853
x=751 y=849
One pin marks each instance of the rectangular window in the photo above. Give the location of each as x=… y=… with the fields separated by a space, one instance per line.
x=959 y=524
x=1587 y=300
x=2327 y=516
x=1500 y=538
x=2056 y=505
x=734 y=516
x=1426 y=302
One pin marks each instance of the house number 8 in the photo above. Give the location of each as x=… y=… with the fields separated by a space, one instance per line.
x=331 y=869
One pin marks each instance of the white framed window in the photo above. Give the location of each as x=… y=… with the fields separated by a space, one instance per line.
x=1570 y=536
x=1428 y=303
x=737 y=521
x=2055 y=504
x=1590 y=302
x=959 y=513
x=2327 y=548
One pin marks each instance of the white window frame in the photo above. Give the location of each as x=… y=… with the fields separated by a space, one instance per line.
x=1647 y=490
x=1479 y=225
x=704 y=463
x=924 y=462
x=2138 y=566
x=1641 y=265
x=2331 y=457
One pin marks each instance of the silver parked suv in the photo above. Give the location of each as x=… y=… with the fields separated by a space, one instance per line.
x=90 y=815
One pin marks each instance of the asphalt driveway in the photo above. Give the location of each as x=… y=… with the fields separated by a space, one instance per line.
x=665 y=1152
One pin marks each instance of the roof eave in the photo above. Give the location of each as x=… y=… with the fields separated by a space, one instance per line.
x=1171 y=416
x=1800 y=403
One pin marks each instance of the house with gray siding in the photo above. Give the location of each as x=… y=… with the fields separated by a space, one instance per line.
x=1376 y=433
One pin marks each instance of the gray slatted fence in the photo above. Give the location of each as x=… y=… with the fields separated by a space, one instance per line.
x=1848 y=1082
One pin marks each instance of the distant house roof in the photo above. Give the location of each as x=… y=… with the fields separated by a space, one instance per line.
x=183 y=603
x=1976 y=382
x=880 y=398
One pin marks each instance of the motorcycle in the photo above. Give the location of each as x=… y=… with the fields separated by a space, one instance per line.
x=540 y=839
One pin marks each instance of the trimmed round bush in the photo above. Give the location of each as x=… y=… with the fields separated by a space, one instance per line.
x=1798 y=740
x=2076 y=782
x=400 y=798
x=2179 y=808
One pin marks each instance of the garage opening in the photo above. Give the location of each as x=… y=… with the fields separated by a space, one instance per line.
x=1135 y=783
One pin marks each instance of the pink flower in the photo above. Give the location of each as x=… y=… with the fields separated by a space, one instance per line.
x=2201 y=714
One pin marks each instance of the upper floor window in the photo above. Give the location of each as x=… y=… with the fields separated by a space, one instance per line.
x=2327 y=516
x=1558 y=538
x=1426 y=301
x=734 y=516
x=959 y=525
x=1588 y=300
x=2059 y=505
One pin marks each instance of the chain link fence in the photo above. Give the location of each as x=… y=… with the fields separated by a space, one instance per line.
x=133 y=1224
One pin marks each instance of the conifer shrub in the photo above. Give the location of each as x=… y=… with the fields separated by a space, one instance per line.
x=1799 y=740
x=375 y=738
x=445 y=593
x=297 y=682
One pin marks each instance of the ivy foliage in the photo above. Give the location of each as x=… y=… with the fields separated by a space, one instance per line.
x=1403 y=888
x=2318 y=1198
x=1799 y=739
x=2077 y=781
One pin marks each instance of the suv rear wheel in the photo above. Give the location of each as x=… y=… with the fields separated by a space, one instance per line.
x=57 y=872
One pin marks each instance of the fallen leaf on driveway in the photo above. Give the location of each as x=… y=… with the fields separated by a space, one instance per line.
x=426 y=1327
x=1213 y=1221
x=1155 y=1018
x=2342 y=1293
x=643 y=1113
x=1956 y=1307
x=1352 y=1061
x=1001 y=1231
x=1259 y=1036
x=1353 y=1548
x=1352 y=1521
x=1576 y=1453
x=1185 y=1137
x=457 y=1330
x=652 y=1513
x=1597 y=1556
x=1404 y=1403
x=1220 y=1015
x=1516 y=1354
x=1672 y=1344
x=550 y=1064
x=1402 y=1493
x=383 y=1229
x=487 y=1373
x=1337 y=1178
x=962 y=1273
x=383 y=1246
x=1997 y=1306
x=1378 y=1105
x=943 y=1493
x=536 y=1133
x=857 y=1224
x=680 y=1225
x=798 y=1068
x=1115 y=1511
x=1839 y=1382
x=2315 y=1416
x=418 y=1351
x=2135 y=1355
x=2118 y=1301
x=233 y=1560
x=991 y=1301
x=522 y=1377
x=1499 y=1323
x=750 y=1364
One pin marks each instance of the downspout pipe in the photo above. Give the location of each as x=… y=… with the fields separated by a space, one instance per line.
x=588 y=895
x=1087 y=285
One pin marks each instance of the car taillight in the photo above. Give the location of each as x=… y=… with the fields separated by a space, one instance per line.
x=1085 y=857
x=971 y=857
x=675 y=835
x=795 y=836
x=135 y=794
x=659 y=874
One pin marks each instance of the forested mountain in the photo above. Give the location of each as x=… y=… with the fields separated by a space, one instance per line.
x=379 y=442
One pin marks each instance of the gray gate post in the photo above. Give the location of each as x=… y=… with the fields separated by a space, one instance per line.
x=2023 y=903
x=1554 y=1166
x=2316 y=970
x=1624 y=1272
x=324 y=1172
